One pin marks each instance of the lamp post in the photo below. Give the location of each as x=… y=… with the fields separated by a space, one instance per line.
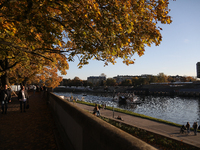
x=113 y=111
x=113 y=103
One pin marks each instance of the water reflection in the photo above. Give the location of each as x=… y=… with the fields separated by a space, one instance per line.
x=198 y=119
x=176 y=109
x=130 y=107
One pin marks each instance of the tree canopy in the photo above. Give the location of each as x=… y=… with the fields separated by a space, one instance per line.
x=55 y=31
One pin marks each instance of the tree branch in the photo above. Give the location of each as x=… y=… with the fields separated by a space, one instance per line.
x=6 y=68
x=4 y=3
x=24 y=49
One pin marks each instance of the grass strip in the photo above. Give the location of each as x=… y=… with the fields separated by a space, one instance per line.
x=153 y=139
x=135 y=114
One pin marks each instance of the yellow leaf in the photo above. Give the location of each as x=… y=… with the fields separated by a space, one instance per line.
x=59 y=43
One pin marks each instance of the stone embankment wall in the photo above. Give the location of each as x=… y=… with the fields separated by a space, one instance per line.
x=85 y=131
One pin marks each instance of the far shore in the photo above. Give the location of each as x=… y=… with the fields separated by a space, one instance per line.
x=181 y=89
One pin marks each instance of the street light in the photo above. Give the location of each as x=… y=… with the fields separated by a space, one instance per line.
x=113 y=103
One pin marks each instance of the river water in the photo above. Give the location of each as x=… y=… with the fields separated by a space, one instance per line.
x=173 y=109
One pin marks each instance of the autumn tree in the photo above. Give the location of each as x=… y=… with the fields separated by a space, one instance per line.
x=190 y=79
x=126 y=82
x=90 y=84
x=85 y=83
x=110 y=82
x=89 y=29
x=143 y=80
x=66 y=82
x=162 y=77
x=76 y=82
x=154 y=79
x=171 y=79
x=36 y=70
x=135 y=81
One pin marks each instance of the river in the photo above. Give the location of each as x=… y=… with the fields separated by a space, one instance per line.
x=173 y=109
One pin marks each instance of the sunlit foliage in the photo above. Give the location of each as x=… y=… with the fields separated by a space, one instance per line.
x=56 y=31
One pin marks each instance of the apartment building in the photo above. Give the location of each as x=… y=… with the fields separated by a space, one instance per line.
x=96 y=80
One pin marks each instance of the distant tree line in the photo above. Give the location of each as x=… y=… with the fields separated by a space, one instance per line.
x=134 y=81
x=75 y=82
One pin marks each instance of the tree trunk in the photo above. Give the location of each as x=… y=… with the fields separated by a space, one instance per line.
x=5 y=79
x=25 y=81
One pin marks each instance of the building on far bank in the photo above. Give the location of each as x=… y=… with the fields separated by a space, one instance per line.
x=198 y=69
x=120 y=78
x=96 y=80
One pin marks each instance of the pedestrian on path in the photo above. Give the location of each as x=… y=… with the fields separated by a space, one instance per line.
x=34 y=89
x=183 y=128
x=195 y=125
x=23 y=97
x=120 y=118
x=5 y=97
x=103 y=106
x=188 y=127
x=96 y=110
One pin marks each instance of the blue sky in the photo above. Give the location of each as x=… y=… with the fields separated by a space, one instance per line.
x=177 y=54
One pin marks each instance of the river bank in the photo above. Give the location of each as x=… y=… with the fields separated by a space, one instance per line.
x=177 y=89
x=174 y=109
x=168 y=89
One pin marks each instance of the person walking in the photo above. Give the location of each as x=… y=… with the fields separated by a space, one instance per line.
x=34 y=89
x=96 y=110
x=5 y=97
x=195 y=126
x=23 y=97
x=188 y=127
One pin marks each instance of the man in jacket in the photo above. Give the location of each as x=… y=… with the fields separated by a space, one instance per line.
x=23 y=97
x=195 y=126
x=5 y=97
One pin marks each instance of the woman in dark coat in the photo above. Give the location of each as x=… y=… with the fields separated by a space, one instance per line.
x=5 y=97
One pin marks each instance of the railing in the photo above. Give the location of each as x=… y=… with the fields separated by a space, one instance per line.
x=85 y=131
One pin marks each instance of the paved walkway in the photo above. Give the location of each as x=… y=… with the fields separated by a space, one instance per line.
x=34 y=129
x=153 y=126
